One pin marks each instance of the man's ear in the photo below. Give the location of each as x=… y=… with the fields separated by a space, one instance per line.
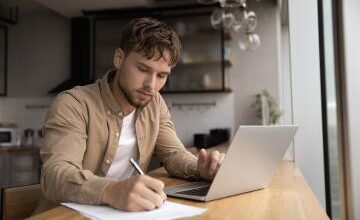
x=119 y=56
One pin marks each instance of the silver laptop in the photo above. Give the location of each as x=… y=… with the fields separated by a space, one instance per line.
x=250 y=164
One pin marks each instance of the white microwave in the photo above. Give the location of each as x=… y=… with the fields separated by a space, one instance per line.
x=10 y=137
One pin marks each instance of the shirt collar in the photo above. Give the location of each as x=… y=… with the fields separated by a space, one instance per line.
x=107 y=96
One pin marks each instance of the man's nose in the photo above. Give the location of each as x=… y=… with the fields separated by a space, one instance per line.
x=150 y=82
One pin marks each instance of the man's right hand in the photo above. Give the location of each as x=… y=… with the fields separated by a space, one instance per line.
x=138 y=193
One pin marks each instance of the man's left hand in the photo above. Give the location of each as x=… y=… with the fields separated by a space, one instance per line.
x=209 y=163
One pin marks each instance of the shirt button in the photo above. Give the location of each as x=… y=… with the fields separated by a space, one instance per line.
x=120 y=114
x=117 y=134
x=107 y=161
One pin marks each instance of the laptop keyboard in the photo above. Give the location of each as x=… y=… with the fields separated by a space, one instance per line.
x=202 y=191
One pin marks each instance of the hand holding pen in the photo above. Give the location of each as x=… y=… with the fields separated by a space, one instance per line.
x=138 y=168
x=138 y=193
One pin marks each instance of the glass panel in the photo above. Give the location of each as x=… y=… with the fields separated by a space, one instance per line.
x=333 y=147
x=200 y=66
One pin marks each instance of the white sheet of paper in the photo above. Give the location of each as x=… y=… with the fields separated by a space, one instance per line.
x=169 y=210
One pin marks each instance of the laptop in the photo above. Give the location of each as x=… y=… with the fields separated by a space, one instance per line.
x=250 y=164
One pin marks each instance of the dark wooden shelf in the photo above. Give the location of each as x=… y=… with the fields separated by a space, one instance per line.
x=227 y=90
x=227 y=63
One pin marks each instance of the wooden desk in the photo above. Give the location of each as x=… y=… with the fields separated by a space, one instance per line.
x=288 y=197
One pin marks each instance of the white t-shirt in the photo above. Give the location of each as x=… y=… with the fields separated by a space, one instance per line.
x=127 y=148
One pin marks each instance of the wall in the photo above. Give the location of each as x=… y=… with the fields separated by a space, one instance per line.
x=254 y=71
x=351 y=18
x=305 y=71
x=38 y=50
x=189 y=120
x=26 y=112
x=285 y=90
x=285 y=99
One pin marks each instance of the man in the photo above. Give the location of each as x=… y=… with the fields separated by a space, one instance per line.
x=92 y=131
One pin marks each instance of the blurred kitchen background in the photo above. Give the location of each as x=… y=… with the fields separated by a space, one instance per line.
x=224 y=78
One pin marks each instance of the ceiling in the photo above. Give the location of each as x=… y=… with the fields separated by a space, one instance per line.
x=73 y=8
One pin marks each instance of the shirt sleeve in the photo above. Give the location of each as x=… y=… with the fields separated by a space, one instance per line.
x=177 y=160
x=63 y=178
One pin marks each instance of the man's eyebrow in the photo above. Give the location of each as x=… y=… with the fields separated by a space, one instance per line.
x=148 y=67
x=143 y=64
x=165 y=72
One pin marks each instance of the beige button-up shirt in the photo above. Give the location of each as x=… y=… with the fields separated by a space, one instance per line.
x=81 y=135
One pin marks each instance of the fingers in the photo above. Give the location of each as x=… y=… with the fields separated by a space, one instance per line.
x=155 y=185
x=135 y=194
x=146 y=194
x=155 y=199
x=214 y=159
x=209 y=163
x=203 y=157
x=138 y=203
x=221 y=159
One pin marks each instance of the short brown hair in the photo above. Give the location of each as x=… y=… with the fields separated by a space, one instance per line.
x=148 y=36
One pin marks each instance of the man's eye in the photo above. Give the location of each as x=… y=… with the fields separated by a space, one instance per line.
x=142 y=69
x=162 y=76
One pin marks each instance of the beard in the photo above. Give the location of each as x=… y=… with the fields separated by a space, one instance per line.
x=131 y=97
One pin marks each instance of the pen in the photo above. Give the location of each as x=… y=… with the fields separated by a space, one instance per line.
x=136 y=166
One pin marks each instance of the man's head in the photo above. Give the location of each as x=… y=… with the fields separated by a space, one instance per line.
x=148 y=50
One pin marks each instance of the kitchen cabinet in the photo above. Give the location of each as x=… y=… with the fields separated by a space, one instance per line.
x=4 y=170
x=202 y=67
x=19 y=166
